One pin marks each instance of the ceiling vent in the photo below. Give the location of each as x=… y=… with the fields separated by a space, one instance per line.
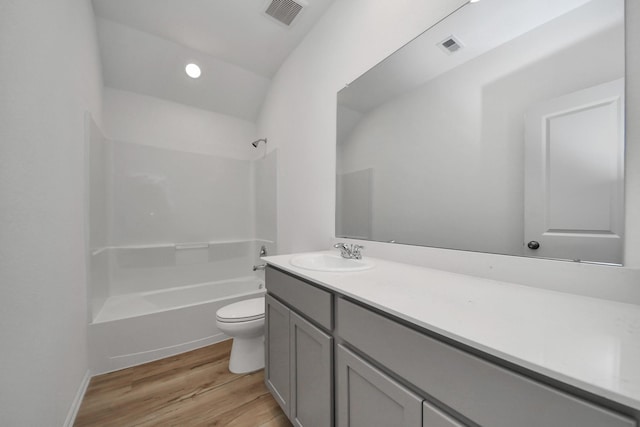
x=284 y=11
x=450 y=45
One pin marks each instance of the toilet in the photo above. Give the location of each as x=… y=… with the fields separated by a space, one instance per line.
x=244 y=322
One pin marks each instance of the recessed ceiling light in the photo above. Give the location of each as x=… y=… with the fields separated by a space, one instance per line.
x=474 y=1
x=193 y=71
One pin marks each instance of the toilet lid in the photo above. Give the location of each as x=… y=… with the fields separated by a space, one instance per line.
x=241 y=311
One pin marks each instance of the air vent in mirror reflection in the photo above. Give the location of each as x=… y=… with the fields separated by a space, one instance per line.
x=450 y=45
x=284 y=11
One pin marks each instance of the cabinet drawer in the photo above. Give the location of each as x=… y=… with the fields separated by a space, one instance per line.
x=483 y=392
x=307 y=299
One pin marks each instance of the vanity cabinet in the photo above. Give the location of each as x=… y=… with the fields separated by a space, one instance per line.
x=299 y=354
x=483 y=392
x=389 y=372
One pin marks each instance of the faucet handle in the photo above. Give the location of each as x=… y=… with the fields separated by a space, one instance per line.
x=349 y=251
x=356 y=251
x=344 y=250
x=259 y=267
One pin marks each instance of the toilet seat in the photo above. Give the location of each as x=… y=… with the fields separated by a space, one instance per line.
x=242 y=311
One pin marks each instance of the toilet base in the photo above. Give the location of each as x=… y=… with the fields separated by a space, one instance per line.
x=247 y=355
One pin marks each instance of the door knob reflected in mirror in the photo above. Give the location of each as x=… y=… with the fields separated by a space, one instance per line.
x=533 y=245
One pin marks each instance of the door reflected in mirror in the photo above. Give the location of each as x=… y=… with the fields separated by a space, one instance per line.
x=514 y=136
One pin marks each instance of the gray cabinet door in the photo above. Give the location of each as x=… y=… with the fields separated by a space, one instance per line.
x=277 y=352
x=369 y=398
x=311 y=375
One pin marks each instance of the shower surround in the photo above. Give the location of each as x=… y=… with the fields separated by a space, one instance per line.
x=173 y=236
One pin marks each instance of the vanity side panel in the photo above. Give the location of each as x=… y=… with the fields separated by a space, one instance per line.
x=485 y=393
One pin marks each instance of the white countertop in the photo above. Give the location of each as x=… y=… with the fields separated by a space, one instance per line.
x=589 y=343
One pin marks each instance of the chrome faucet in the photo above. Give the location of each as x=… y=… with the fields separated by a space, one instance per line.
x=259 y=267
x=349 y=251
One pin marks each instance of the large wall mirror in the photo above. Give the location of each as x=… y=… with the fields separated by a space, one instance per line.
x=500 y=130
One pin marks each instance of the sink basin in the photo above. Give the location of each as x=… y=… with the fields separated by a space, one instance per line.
x=330 y=262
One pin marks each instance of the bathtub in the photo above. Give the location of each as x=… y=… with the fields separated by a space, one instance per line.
x=135 y=328
x=144 y=303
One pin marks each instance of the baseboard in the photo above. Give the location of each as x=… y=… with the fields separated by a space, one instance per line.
x=77 y=401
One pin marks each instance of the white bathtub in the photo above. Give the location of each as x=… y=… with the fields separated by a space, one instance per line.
x=136 y=328
x=142 y=303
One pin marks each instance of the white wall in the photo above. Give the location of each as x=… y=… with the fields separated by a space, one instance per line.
x=49 y=75
x=299 y=112
x=147 y=62
x=299 y=115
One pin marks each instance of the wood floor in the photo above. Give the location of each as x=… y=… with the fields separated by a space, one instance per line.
x=191 y=389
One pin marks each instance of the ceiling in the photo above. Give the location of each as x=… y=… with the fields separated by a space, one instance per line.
x=145 y=45
x=480 y=27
